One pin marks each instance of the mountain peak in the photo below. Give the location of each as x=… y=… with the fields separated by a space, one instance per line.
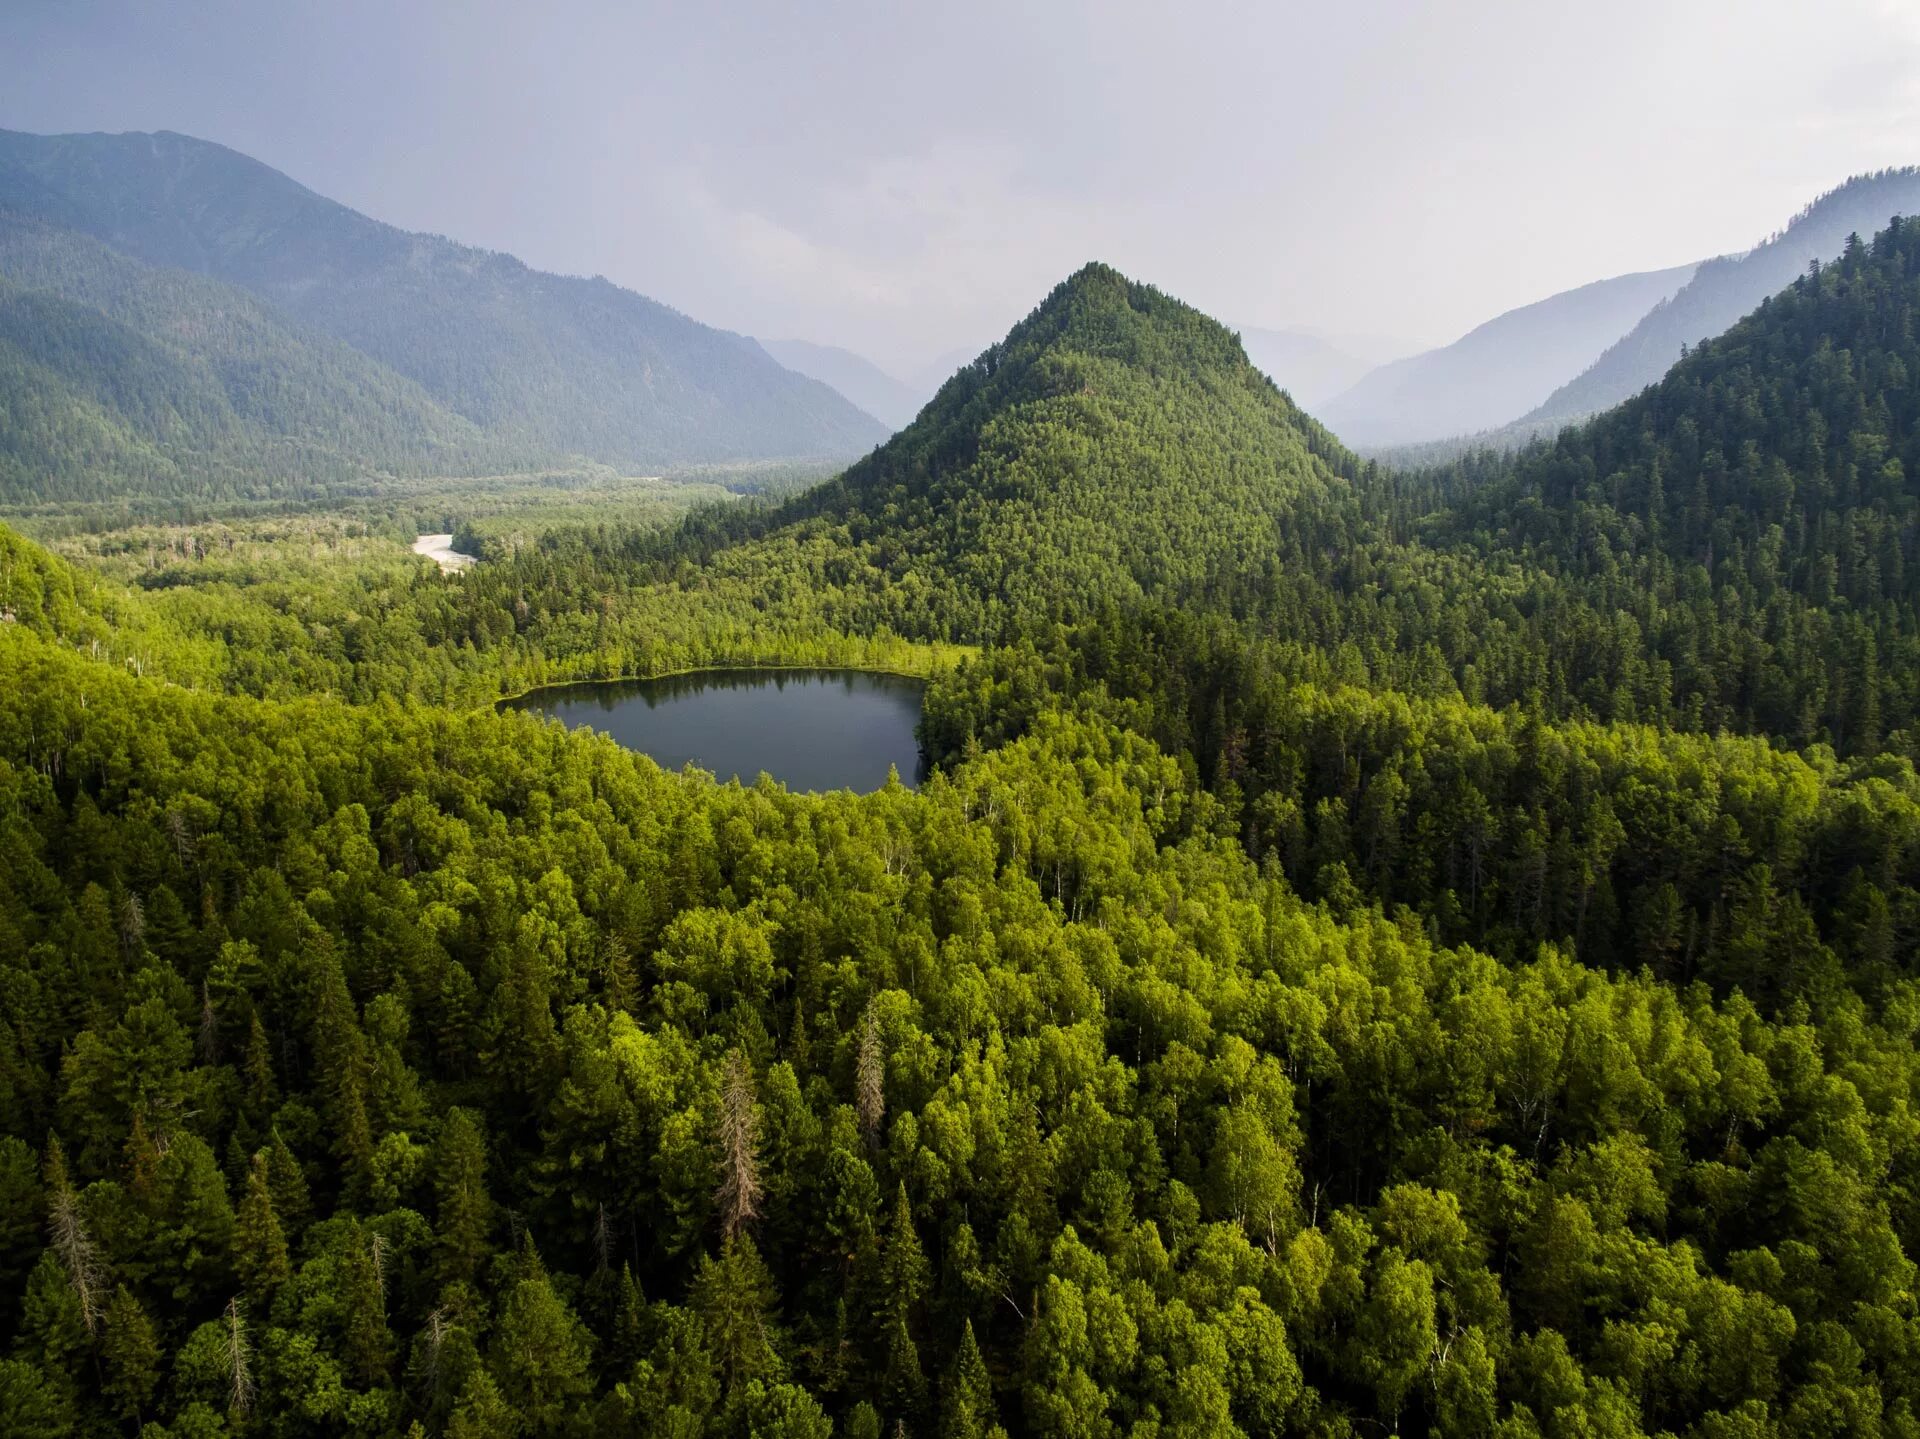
x=1098 y=312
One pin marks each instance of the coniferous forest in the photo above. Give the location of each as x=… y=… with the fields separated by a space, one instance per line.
x=1378 y=951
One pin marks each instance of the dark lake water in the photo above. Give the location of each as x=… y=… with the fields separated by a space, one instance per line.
x=809 y=729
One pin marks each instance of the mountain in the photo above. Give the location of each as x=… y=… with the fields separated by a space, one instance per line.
x=551 y=362
x=1307 y=366
x=892 y=402
x=1723 y=290
x=122 y=379
x=1498 y=371
x=1116 y=445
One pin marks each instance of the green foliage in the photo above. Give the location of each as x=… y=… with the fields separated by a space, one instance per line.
x=1248 y=1029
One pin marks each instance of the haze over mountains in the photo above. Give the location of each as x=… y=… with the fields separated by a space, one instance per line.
x=532 y=362
x=1499 y=370
x=346 y=346
x=1723 y=290
x=892 y=401
x=1581 y=351
x=1311 y=367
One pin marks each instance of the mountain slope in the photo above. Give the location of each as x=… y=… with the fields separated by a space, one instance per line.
x=559 y=363
x=893 y=402
x=1723 y=290
x=1755 y=510
x=1498 y=371
x=123 y=379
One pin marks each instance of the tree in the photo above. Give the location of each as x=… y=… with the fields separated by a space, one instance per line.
x=131 y=1350
x=542 y=1355
x=68 y=1233
x=739 y=1135
x=259 y=1246
x=870 y=1095
x=902 y=1285
x=966 y=1398
x=482 y=1413
x=30 y=1406
x=238 y=1358
x=734 y=1298
x=460 y=1182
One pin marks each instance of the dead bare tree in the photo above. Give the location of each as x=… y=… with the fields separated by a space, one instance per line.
x=239 y=1361
x=67 y=1231
x=739 y=1192
x=870 y=1074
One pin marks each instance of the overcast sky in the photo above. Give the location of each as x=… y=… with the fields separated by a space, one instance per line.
x=907 y=179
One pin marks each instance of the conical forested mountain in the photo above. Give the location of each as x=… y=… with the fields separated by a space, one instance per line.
x=1116 y=445
x=562 y=364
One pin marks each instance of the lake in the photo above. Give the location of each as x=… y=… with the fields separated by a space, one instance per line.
x=809 y=729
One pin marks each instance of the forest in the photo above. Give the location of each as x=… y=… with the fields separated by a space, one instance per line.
x=1379 y=952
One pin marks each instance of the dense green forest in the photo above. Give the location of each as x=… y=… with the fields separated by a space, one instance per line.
x=1380 y=952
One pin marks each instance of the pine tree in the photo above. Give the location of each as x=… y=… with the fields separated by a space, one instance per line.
x=622 y=986
x=460 y=1183
x=287 y=1183
x=482 y=1413
x=628 y=1340
x=72 y=1241
x=257 y=1066
x=131 y=1350
x=366 y=1342
x=734 y=1297
x=239 y=1361
x=902 y=1283
x=966 y=1402
x=341 y=1054
x=542 y=1354
x=259 y=1245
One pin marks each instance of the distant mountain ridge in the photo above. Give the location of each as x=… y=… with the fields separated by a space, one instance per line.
x=538 y=361
x=1723 y=290
x=1497 y=371
x=890 y=400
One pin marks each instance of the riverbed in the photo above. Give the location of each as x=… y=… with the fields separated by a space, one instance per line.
x=439 y=549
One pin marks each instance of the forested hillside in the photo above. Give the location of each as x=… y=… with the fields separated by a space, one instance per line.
x=1381 y=953
x=120 y=379
x=549 y=363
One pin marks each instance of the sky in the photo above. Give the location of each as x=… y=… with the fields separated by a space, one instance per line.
x=908 y=179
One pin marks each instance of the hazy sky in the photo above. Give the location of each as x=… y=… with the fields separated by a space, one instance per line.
x=909 y=178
